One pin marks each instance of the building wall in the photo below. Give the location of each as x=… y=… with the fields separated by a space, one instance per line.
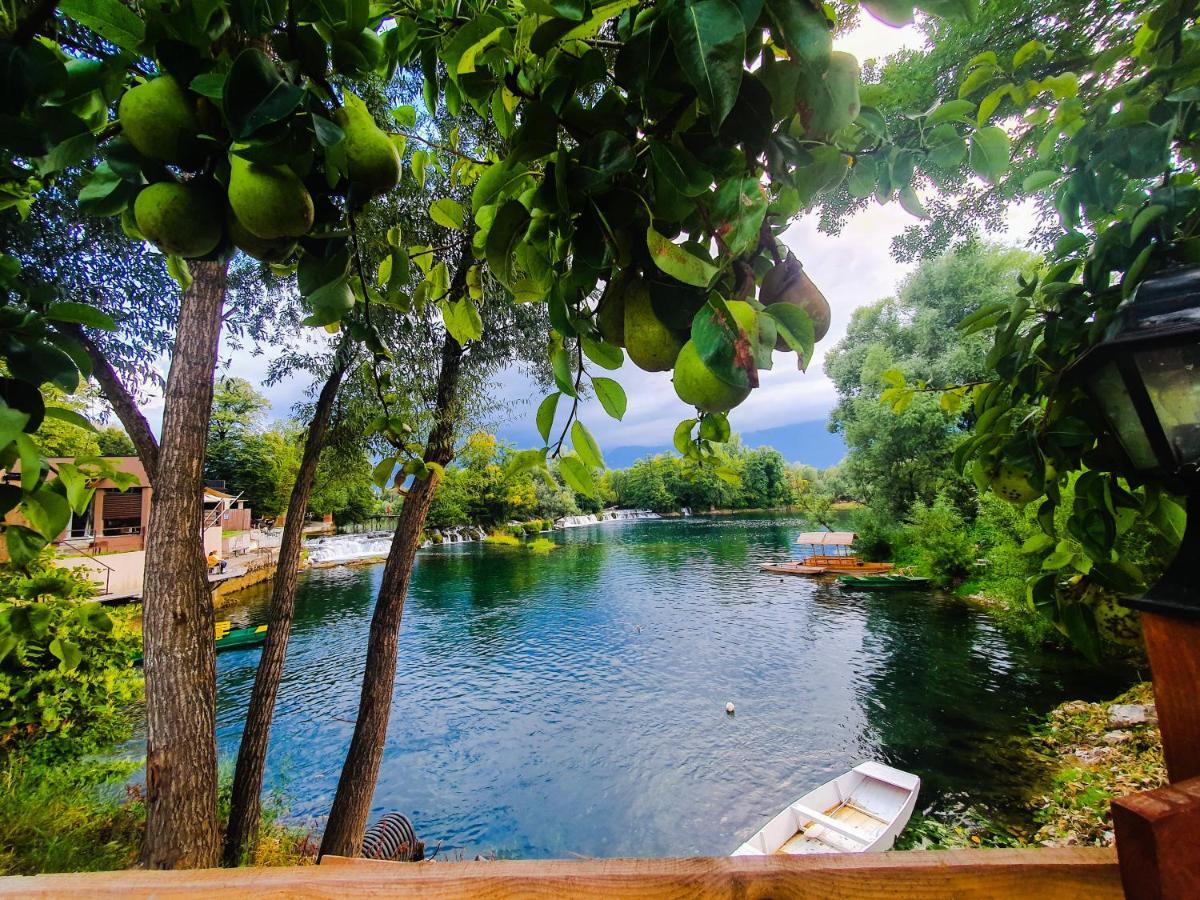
x=236 y=519
x=126 y=576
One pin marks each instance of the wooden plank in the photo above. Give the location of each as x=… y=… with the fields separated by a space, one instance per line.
x=1173 y=646
x=1159 y=835
x=1049 y=874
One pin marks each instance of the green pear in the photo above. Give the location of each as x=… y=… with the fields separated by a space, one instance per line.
x=610 y=313
x=697 y=386
x=651 y=344
x=695 y=382
x=269 y=250
x=787 y=282
x=372 y=160
x=180 y=219
x=833 y=97
x=270 y=201
x=160 y=121
x=1011 y=484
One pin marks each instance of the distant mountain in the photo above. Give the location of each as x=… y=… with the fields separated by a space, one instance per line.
x=805 y=442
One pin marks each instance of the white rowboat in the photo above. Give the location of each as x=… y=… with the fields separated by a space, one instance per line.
x=863 y=810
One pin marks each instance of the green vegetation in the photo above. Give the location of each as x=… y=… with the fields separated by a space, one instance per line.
x=919 y=510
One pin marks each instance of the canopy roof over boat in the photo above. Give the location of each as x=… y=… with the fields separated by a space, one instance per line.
x=827 y=538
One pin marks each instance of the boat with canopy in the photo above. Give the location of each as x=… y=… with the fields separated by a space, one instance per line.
x=828 y=553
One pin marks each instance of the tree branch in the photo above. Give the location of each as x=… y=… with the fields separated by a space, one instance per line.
x=122 y=402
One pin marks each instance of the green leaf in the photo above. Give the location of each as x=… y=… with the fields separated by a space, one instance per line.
x=950 y=111
x=1079 y=622
x=81 y=314
x=256 y=94
x=382 y=473
x=507 y=231
x=1036 y=181
x=585 y=445
x=611 y=396
x=990 y=153
x=715 y=428
x=710 y=43
x=683 y=436
x=678 y=262
x=405 y=116
x=79 y=494
x=1146 y=217
x=70 y=417
x=420 y=159
x=795 y=327
x=12 y=423
x=23 y=544
x=447 y=213
x=609 y=356
x=564 y=371
x=462 y=320
x=111 y=19
x=47 y=511
x=806 y=30
x=178 y=269
x=728 y=475
x=577 y=475
x=545 y=415
x=68 y=653
x=911 y=203
x=891 y=12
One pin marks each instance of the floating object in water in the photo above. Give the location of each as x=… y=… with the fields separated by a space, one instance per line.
x=864 y=809
x=730 y=709
x=227 y=637
x=828 y=554
x=889 y=582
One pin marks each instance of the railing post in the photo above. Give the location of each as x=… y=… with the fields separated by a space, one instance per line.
x=1158 y=832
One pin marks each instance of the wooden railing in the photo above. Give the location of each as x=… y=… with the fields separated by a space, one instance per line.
x=1047 y=874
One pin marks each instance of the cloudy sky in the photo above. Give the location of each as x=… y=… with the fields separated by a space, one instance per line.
x=853 y=268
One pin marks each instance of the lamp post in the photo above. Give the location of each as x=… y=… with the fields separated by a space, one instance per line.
x=1144 y=377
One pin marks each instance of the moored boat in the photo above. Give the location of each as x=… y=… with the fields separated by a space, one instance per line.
x=863 y=810
x=226 y=637
x=888 y=582
x=828 y=553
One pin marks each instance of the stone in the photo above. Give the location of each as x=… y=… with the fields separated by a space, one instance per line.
x=1117 y=737
x=1126 y=715
x=1090 y=756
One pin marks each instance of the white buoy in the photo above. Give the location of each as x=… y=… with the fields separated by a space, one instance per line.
x=729 y=708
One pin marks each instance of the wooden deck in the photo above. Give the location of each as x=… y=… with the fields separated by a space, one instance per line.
x=1048 y=874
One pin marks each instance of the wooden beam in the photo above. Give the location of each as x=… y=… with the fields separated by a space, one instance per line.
x=1159 y=836
x=1050 y=874
x=1173 y=645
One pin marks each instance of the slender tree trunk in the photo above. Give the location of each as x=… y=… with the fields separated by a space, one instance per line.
x=177 y=622
x=123 y=404
x=246 y=806
x=356 y=787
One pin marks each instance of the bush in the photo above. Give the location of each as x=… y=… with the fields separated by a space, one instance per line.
x=878 y=533
x=504 y=539
x=941 y=543
x=66 y=678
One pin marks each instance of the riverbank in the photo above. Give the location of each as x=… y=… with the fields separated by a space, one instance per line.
x=1084 y=755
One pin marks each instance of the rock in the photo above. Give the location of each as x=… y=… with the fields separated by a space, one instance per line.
x=1075 y=706
x=1125 y=715
x=1117 y=737
x=1090 y=756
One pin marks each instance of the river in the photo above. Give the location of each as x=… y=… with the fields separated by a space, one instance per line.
x=574 y=703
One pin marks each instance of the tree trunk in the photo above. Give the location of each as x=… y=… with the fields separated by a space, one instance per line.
x=356 y=787
x=177 y=619
x=246 y=809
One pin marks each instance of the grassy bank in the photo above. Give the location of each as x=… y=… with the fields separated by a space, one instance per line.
x=1084 y=755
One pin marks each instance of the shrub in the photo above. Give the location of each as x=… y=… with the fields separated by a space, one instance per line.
x=878 y=532
x=941 y=542
x=66 y=679
x=502 y=538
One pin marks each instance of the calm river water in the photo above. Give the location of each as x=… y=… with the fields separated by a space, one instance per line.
x=574 y=703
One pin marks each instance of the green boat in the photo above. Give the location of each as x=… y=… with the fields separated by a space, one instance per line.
x=228 y=638
x=882 y=582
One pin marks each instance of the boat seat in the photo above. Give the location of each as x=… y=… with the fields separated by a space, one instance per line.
x=825 y=821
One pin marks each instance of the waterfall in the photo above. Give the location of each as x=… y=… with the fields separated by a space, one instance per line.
x=346 y=549
x=685 y=511
x=607 y=515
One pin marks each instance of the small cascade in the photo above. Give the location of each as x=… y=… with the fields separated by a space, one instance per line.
x=342 y=549
x=607 y=515
x=455 y=534
x=685 y=511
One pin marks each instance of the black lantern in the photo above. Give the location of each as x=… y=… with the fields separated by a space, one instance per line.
x=1144 y=376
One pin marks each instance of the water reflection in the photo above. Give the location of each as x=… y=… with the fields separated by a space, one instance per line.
x=574 y=702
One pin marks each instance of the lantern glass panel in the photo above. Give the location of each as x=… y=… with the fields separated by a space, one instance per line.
x=1109 y=390
x=1172 y=378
